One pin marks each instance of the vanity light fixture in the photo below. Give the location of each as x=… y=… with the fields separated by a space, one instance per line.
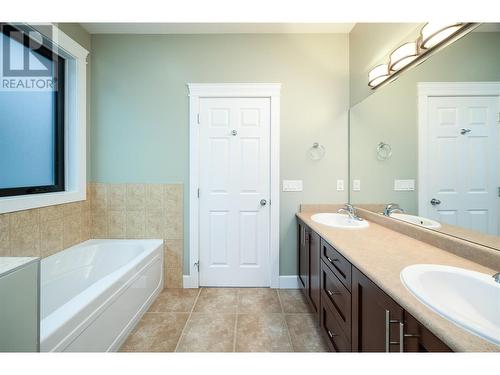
x=403 y=55
x=434 y=33
x=378 y=75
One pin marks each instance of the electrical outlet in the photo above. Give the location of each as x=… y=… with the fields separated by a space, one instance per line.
x=340 y=185
x=404 y=185
x=292 y=185
x=356 y=185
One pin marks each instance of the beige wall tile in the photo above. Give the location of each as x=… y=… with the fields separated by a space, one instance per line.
x=116 y=224
x=4 y=236
x=24 y=218
x=98 y=224
x=136 y=197
x=174 y=253
x=154 y=197
x=116 y=197
x=98 y=196
x=173 y=198
x=71 y=209
x=173 y=226
x=25 y=240
x=173 y=278
x=51 y=213
x=136 y=224
x=72 y=230
x=51 y=237
x=86 y=223
x=155 y=227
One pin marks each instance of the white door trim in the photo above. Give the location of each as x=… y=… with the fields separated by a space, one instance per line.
x=435 y=89
x=236 y=90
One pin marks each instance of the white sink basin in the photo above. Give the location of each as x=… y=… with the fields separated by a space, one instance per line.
x=469 y=299
x=339 y=221
x=417 y=220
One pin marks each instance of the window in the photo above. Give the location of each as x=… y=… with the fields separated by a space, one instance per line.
x=32 y=91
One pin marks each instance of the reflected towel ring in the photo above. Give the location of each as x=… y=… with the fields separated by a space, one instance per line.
x=317 y=151
x=384 y=151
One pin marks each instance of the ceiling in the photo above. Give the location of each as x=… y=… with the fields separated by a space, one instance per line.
x=217 y=28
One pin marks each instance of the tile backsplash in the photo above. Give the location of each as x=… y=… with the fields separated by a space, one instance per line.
x=110 y=211
x=142 y=211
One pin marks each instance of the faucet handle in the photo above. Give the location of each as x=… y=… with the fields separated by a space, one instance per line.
x=496 y=277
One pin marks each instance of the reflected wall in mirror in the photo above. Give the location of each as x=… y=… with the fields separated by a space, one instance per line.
x=440 y=121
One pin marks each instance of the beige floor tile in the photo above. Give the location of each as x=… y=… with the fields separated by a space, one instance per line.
x=255 y=300
x=293 y=301
x=220 y=300
x=175 y=300
x=208 y=333
x=156 y=332
x=262 y=333
x=305 y=333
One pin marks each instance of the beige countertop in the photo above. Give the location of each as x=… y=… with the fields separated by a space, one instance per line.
x=381 y=253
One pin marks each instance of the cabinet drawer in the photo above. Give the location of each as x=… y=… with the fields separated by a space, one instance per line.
x=335 y=295
x=337 y=263
x=335 y=337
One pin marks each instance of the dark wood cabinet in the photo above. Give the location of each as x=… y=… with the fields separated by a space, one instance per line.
x=353 y=312
x=377 y=319
x=418 y=338
x=314 y=271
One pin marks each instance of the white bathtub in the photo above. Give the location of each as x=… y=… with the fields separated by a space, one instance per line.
x=94 y=293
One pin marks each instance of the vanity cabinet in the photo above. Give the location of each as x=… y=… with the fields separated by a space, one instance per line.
x=353 y=312
x=309 y=265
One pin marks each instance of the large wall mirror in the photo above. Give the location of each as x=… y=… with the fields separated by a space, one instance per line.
x=429 y=142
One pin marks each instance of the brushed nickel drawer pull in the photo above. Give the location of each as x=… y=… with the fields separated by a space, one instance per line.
x=332 y=260
x=332 y=335
x=330 y=293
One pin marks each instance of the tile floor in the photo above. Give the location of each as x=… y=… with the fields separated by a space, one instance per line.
x=227 y=320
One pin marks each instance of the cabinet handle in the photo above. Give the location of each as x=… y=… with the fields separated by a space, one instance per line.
x=388 y=342
x=332 y=260
x=332 y=335
x=330 y=293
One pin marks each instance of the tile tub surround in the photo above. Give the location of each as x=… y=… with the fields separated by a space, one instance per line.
x=142 y=211
x=227 y=320
x=382 y=253
x=41 y=232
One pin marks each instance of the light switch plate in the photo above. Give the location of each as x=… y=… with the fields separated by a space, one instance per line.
x=356 y=185
x=340 y=185
x=292 y=185
x=404 y=185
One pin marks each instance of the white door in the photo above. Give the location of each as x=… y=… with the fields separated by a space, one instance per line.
x=234 y=191
x=463 y=161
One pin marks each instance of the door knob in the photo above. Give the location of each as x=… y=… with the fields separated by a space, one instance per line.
x=435 y=201
x=263 y=202
x=234 y=132
x=465 y=131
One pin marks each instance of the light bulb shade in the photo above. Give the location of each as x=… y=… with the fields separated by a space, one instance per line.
x=378 y=75
x=402 y=56
x=434 y=33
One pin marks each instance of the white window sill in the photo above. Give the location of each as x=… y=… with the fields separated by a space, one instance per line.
x=26 y=202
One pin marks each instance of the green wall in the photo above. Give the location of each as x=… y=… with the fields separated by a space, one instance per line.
x=140 y=109
x=390 y=115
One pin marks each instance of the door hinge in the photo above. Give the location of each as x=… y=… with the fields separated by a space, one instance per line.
x=197 y=265
x=198 y=118
x=499 y=191
x=198 y=193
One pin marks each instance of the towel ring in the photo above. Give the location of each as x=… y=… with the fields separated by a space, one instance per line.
x=317 y=151
x=384 y=151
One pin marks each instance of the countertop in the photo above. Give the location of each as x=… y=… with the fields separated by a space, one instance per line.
x=381 y=254
x=10 y=264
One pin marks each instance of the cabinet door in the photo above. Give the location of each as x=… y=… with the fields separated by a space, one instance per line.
x=376 y=318
x=417 y=338
x=303 y=255
x=315 y=271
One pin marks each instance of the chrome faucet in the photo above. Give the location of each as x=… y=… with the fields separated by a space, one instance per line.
x=392 y=207
x=350 y=211
x=496 y=277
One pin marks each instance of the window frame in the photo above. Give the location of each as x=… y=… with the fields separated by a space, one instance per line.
x=59 y=110
x=75 y=121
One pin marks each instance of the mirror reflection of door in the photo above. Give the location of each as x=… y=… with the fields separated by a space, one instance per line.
x=462 y=162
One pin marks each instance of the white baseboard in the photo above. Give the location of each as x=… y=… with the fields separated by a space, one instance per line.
x=286 y=282
x=289 y=282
